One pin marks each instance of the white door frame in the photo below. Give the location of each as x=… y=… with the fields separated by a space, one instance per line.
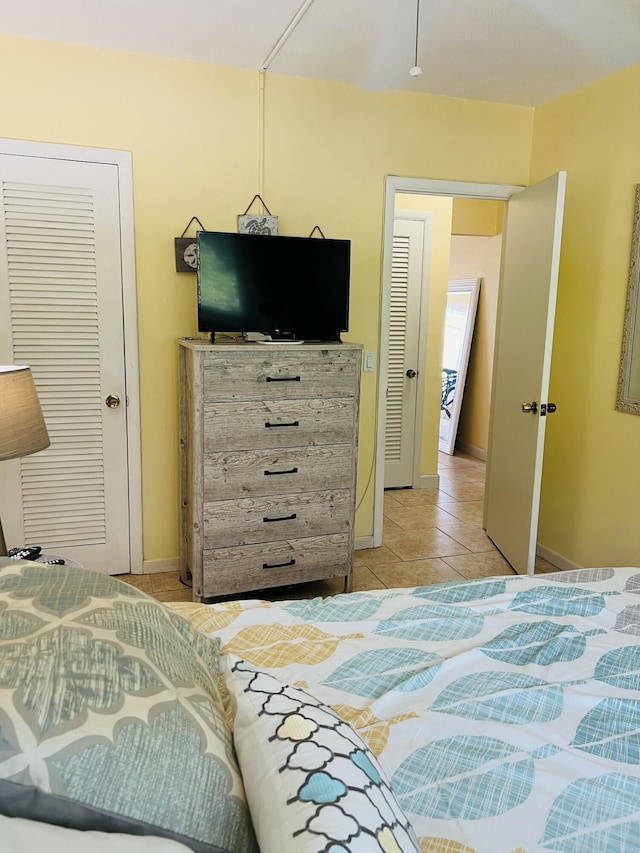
x=122 y=160
x=418 y=186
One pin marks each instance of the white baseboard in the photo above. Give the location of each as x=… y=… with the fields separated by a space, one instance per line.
x=428 y=481
x=363 y=542
x=472 y=450
x=556 y=560
x=153 y=567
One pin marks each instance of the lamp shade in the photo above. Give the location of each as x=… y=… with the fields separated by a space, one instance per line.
x=22 y=427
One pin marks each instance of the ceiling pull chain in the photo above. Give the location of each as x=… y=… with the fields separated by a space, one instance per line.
x=416 y=71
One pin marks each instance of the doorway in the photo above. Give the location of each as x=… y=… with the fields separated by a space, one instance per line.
x=465 y=238
x=522 y=366
x=416 y=187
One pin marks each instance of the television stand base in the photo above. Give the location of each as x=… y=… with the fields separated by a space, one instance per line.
x=274 y=343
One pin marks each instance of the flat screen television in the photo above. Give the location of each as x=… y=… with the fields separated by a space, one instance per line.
x=291 y=288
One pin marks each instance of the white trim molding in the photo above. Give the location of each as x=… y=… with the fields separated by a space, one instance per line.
x=419 y=186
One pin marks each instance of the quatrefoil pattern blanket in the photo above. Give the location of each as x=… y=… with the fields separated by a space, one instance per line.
x=110 y=713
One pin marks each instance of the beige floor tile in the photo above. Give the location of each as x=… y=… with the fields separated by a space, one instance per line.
x=142 y=582
x=464 y=490
x=388 y=525
x=416 y=497
x=165 y=580
x=415 y=573
x=463 y=461
x=433 y=543
x=417 y=518
x=182 y=594
x=363 y=579
x=483 y=565
x=470 y=512
x=472 y=536
x=390 y=499
x=372 y=556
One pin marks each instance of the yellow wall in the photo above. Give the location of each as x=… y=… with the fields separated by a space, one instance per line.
x=591 y=478
x=473 y=217
x=192 y=129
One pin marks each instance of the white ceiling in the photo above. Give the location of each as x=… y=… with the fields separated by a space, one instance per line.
x=514 y=51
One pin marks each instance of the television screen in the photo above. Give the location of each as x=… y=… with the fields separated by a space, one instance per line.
x=287 y=287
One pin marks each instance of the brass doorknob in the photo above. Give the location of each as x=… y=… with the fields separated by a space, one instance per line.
x=112 y=401
x=530 y=408
x=412 y=374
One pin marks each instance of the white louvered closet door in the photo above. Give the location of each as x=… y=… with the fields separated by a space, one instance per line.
x=61 y=312
x=404 y=333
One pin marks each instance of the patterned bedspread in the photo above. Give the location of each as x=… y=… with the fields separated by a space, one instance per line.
x=506 y=711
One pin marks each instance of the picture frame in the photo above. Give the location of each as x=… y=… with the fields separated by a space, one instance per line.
x=186 y=252
x=252 y=224
x=186 y=249
x=628 y=396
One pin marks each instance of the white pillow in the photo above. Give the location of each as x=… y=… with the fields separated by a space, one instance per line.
x=312 y=784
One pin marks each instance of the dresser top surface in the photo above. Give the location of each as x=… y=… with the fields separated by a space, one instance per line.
x=200 y=345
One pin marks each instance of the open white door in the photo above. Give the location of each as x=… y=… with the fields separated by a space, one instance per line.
x=522 y=362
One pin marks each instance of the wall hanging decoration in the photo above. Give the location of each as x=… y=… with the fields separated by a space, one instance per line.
x=251 y=223
x=186 y=249
x=628 y=399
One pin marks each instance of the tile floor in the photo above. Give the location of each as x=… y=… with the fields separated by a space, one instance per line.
x=430 y=535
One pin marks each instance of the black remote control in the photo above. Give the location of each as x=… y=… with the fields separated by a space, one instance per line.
x=24 y=553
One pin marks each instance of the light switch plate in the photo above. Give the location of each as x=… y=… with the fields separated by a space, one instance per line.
x=369 y=364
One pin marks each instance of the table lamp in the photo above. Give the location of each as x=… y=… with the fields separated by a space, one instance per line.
x=22 y=427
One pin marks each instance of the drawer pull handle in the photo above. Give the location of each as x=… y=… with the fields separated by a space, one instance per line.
x=283 y=379
x=293 y=423
x=291 y=562
x=282 y=518
x=273 y=473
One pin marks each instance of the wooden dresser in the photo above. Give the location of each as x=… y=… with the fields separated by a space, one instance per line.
x=268 y=437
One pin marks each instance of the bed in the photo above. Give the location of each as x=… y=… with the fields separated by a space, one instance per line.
x=487 y=716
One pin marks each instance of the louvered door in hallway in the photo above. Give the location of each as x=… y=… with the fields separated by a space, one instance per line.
x=62 y=313
x=404 y=335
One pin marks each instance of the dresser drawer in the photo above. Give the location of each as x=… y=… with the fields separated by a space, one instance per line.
x=255 y=473
x=281 y=423
x=288 y=561
x=260 y=375
x=248 y=521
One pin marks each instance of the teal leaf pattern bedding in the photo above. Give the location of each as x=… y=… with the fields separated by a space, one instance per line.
x=506 y=697
x=470 y=778
x=432 y=622
x=505 y=711
x=612 y=730
x=374 y=673
x=600 y=814
x=545 y=601
x=540 y=643
x=620 y=668
x=457 y=593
